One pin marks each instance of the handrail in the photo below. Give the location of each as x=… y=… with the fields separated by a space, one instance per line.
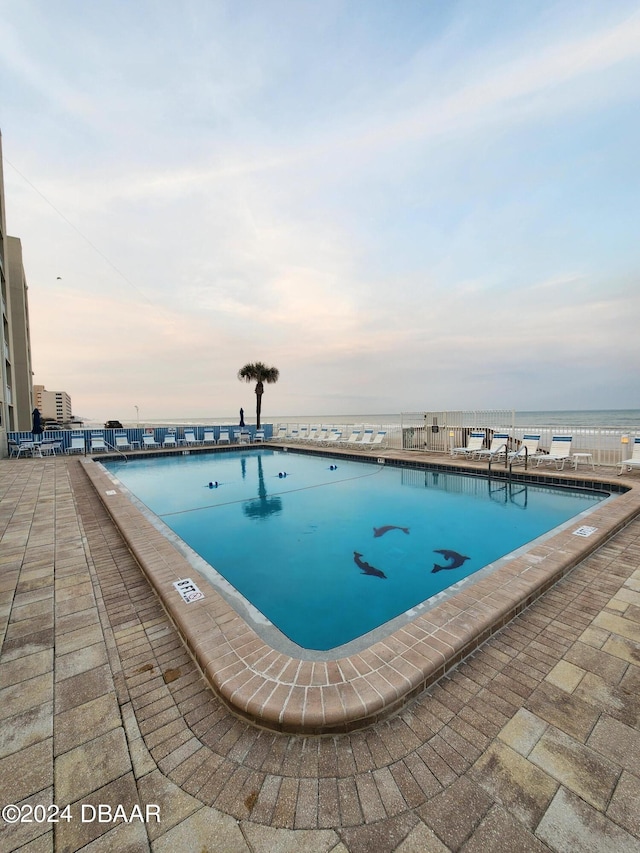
x=526 y=458
x=491 y=455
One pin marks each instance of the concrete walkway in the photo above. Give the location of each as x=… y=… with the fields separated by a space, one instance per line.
x=531 y=744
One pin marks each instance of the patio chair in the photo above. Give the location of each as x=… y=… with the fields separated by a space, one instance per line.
x=474 y=444
x=367 y=438
x=634 y=461
x=528 y=449
x=77 y=444
x=498 y=448
x=559 y=452
x=303 y=433
x=50 y=448
x=122 y=442
x=334 y=436
x=149 y=441
x=354 y=438
x=380 y=439
x=190 y=438
x=259 y=436
x=223 y=438
x=313 y=434
x=321 y=435
x=169 y=440
x=97 y=443
x=208 y=437
x=281 y=433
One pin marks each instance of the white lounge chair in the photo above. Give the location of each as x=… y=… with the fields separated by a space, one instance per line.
x=149 y=441
x=259 y=436
x=499 y=444
x=474 y=444
x=190 y=438
x=303 y=433
x=223 y=438
x=380 y=439
x=334 y=436
x=321 y=436
x=208 y=437
x=169 y=440
x=98 y=444
x=77 y=444
x=281 y=433
x=528 y=449
x=354 y=438
x=634 y=461
x=367 y=438
x=122 y=442
x=559 y=452
x=313 y=434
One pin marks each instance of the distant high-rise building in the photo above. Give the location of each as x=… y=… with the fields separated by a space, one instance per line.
x=52 y=405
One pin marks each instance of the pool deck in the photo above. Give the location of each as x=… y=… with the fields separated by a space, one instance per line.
x=531 y=742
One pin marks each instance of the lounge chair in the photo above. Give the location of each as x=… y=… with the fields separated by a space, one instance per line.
x=149 y=441
x=380 y=439
x=321 y=435
x=169 y=440
x=98 y=444
x=528 y=449
x=367 y=438
x=354 y=438
x=190 y=438
x=77 y=444
x=474 y=444
x=334 y=436
x=634 y=461
x=303 y=433
x=559 y=452
x=208 y=437
x=122 y=442
x=259 y=436
x=498 y=448
x=313 y=434
x=281 y=433
x=223 y=438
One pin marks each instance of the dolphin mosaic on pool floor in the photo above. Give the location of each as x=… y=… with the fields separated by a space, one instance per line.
x=531 y=743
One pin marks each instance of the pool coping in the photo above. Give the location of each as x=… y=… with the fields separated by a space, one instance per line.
x=277 y=691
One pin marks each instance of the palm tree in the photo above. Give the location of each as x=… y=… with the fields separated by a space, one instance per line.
x=259 y=373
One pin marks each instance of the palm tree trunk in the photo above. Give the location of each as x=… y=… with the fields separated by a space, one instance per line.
x=258 y=407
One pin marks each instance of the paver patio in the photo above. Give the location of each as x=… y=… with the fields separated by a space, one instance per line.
x=532 y=743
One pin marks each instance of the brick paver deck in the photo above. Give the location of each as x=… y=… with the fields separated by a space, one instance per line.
x=531 y=743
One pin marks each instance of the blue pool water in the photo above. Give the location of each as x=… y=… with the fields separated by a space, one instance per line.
x=328 y=555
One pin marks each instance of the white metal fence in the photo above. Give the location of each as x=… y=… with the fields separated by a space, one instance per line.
x=440 y=432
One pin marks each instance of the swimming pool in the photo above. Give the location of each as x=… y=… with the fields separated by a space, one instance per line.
x=330 y=549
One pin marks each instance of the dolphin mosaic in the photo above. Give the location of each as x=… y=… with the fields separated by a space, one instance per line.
x=366 y=568
x=455 y=560
x=380 y=531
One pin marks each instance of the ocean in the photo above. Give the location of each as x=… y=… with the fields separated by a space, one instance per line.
x=625 y=419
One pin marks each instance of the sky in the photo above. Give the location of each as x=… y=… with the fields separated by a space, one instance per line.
x=403 y=205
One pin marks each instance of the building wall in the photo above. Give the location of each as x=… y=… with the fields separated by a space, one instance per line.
x=15 y=346
x=20 y=336
x=6 y=403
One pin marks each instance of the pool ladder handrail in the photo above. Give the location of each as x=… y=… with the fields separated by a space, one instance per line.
x=508 y=464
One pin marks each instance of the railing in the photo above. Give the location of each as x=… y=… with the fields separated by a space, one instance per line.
x=439 y=432
x=134 y=434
